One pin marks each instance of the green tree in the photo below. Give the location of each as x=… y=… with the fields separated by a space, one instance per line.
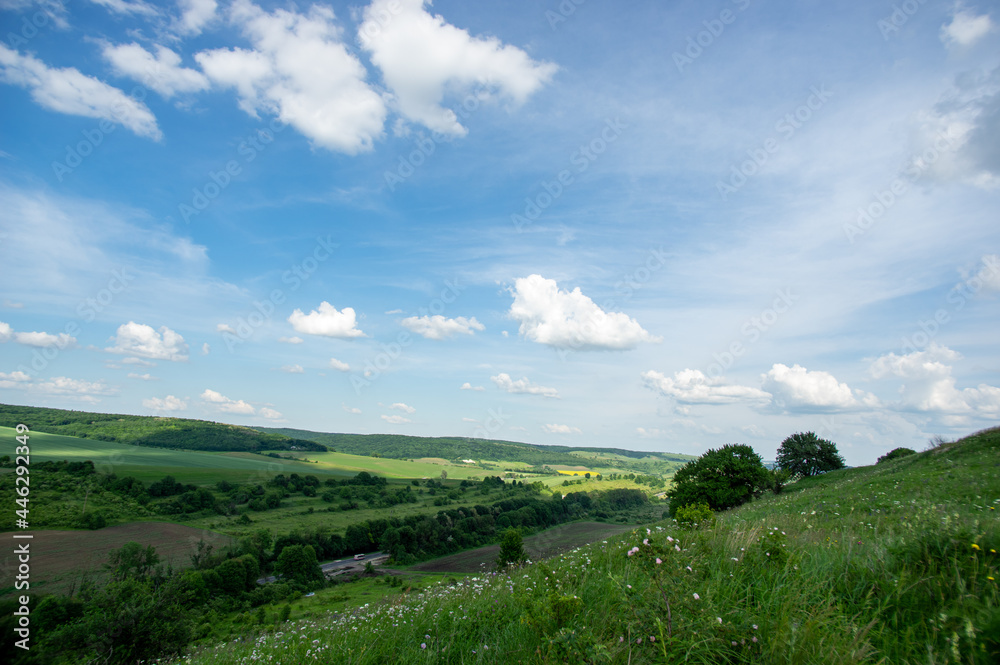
x=895 y=453
x=511 y=549
x=722 y=478
x=132 y=561
x=805 y=454
x=298 y=563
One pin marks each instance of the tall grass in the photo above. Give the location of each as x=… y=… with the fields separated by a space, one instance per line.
x=892 y=564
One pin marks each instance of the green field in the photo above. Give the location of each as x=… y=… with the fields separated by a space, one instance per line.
x=148 y=464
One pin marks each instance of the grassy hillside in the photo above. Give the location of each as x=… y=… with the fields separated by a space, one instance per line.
x=895 y=563
x=149 y=431
x=412 y=447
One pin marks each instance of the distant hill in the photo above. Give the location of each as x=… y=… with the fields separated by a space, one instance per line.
x=151 y=431
x=412 y=447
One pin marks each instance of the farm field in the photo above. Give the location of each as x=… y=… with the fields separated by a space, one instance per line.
x=60 y=558
x=149 y=464
x=538 y=546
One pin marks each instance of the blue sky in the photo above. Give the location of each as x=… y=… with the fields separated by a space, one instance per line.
x=660 y=226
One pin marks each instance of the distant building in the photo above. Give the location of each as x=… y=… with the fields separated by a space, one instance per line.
x=469 y=461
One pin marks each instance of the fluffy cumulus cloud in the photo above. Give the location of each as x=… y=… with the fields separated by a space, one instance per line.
x=469 y=386
x=164 y=404
x=965 y=29
x=522 y=386
x=326 y=322
x=928 y=384
x=691 y=386
x=339 y=365
x=561 y=429
x=570 y=320
x=399 y=406
x=137 y=339
x=439 y=327
x=195 y=15
x=300 y=71
x=66 y=90
x=162 y=72
x=796 y=388
x=6 y=332
x=15 y=379
x=226 y=405
x=422 y=57
x=395 y=419
x=293 y=369
x=85 y=391
x=269 y=413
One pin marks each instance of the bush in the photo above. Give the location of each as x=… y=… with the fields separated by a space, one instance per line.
x=723 y=478
x=895 y=453
x=694 y=514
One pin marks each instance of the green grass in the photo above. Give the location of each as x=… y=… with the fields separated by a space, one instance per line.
x=892 y=564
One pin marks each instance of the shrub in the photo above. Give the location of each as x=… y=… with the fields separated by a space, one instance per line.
x=694 y=514
x=895 y=453
x=723 y=478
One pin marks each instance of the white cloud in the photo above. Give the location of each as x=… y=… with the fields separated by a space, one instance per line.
x=138 y=361
x=395 y=420
x=351 y=409
x=326 y=321
x=422 y=57
x=205 y=349
x=126 y=7
x=399 y=406
x=74 y=388
x=161 y=72
x=930 y=387
x=15 y=379
x=691 y=386
x=45 y=340
x=469 y=386
x=66 y=90
x=301 y=72
x=138 y=339
x=651 y=433
x=223 y=403
x=395 y=311
x=195 y=15
x=571 y=320
x=339 y=365
x=293 y=369
x=965 y=29
x=225 y=328
x=523 y=386
x=439 y=327
x=270 y=414
x=796 y=388
x=288 y=340
x=142 y=377
x=6 y=332
x=561 y=429
x=168 y=403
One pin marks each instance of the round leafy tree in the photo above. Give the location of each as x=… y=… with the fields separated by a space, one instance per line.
x=805 y=454
x=722 y=478
x=895 y=453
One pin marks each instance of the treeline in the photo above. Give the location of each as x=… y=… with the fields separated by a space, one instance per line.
x=398 y=446
x=156 y=432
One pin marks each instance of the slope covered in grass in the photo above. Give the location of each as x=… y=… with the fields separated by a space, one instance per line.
x=894 y=563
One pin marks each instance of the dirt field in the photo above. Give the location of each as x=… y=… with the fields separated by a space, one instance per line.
x=59 y=557
x=539 y=546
